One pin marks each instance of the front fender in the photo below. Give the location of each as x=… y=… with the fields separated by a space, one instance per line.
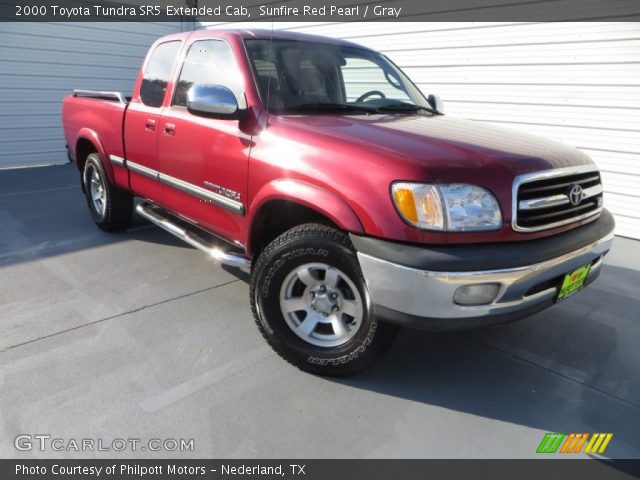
x=308 y=195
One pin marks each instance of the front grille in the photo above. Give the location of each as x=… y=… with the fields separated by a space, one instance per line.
x=556 y=197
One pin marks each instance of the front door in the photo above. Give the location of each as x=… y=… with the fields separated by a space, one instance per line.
x=204 y=161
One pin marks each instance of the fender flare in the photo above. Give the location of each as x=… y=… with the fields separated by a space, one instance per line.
x=92 y=136
x=308 y=195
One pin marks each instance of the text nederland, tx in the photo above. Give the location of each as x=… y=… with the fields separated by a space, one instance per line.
x=168 y=469
x=219 y=10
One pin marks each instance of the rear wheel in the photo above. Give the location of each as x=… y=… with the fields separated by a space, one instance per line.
x=111 y=207
x=311 y=304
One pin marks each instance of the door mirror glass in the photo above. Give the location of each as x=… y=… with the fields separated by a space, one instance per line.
x=214 y=101
x=436 y=103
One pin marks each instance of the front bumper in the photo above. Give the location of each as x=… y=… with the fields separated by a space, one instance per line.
x=424 y=298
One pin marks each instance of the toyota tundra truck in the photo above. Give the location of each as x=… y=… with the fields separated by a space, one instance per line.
x=356 y=204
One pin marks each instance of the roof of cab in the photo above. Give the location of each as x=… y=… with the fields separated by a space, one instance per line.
x=259 y=34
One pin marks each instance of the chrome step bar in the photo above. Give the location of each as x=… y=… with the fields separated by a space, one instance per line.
x=148 y=212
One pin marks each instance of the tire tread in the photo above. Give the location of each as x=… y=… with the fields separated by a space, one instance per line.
x=119 y=207
x=310 y=231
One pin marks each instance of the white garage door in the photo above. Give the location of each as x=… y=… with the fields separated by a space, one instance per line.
x=575 y=82
x=40 y=63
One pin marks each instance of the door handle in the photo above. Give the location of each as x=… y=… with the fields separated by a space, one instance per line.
x=169 y=129
x=150 y=124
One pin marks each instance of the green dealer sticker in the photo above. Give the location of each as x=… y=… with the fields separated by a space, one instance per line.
x=573 y=282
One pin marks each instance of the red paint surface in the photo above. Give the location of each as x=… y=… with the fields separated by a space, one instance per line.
x=341 y=166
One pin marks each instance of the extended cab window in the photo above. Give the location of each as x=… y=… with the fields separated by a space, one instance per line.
x=209 y=62
x=157 y=73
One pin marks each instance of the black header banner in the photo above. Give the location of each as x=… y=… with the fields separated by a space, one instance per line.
x=319 y=10
x=318 y=469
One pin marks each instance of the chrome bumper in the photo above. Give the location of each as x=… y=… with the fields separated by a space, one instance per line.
x=429 y=295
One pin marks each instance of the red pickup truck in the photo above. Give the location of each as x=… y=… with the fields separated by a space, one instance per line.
x=356 y=204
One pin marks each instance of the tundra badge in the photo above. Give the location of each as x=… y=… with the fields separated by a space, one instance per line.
x=224 y=191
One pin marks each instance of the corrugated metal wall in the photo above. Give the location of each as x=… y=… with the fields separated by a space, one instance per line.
x=574 y=82
x=40 y=63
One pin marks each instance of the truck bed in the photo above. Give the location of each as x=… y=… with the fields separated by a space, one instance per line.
x=91 y=112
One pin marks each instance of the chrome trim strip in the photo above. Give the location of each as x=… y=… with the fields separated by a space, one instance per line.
x=117 y=160
x=545 y=202
x=189 y=188
x=557 y=200
x=201 y=193
x=430 y=294
x=543 y=175
x=142 y=170
x=145 y=210
x=592 y=191
x=458 y=277
x=100 y=94
x=596 y=266
x=548 y=226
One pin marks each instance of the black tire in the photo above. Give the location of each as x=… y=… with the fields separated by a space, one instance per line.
x=117 y=210
x=313 y=244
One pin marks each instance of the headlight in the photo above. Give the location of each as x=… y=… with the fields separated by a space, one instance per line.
x=455 y=207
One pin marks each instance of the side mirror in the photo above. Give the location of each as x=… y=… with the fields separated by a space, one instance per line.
x=436 y=103
x=214 y=101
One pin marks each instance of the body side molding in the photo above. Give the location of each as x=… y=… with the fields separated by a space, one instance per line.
x=186 y=187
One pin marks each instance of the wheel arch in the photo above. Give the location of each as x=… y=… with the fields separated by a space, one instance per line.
x=284 y=204
x=88 y=142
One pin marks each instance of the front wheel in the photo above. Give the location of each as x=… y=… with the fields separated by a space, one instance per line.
x=311 y=303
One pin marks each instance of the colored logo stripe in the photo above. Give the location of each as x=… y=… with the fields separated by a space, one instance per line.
x=550 y=443
x=598 y=443
x=574 y=442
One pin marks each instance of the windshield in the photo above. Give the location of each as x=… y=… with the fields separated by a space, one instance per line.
x=298 y=75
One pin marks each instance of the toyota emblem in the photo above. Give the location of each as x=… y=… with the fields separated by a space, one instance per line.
x=575 y=194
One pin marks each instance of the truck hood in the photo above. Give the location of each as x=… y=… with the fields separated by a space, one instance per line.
x=451 y=149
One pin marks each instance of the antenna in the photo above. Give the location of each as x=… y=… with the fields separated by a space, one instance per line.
x=269 y=77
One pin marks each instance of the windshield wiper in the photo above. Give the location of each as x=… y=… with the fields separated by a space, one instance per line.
x=344 y=107
x=327 y=107
x=406 y=107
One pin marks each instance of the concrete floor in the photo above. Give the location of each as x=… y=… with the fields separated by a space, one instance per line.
x=137 y=335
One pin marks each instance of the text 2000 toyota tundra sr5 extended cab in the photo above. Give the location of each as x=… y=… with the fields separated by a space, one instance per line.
x=356 y=204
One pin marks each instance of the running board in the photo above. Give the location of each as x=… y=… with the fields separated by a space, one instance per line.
x=148 y=212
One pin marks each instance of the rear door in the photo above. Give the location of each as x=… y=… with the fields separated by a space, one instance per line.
x=142 y=119
x=204 y=161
